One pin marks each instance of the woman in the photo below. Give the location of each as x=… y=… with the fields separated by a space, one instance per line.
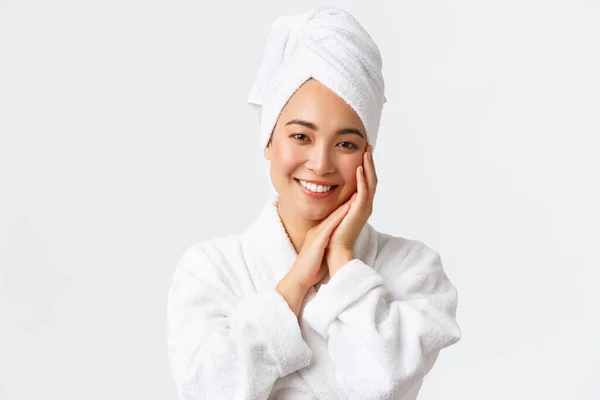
x=311 y=302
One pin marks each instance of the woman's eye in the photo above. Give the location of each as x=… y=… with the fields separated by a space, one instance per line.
x=350 y=145
x=299 y=136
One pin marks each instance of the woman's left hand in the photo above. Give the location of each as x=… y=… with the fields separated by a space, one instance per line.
x=340 y=249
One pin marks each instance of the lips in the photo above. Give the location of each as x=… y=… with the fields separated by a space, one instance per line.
x=315 y=195
x=314 y=186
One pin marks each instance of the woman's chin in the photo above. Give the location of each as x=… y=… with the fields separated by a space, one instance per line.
x=314 y=213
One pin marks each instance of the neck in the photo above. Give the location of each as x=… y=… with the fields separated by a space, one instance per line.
x=295 y=226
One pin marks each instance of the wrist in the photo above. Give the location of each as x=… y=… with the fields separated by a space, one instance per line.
x=293 y=291
x=337 y=258
x=293 y=285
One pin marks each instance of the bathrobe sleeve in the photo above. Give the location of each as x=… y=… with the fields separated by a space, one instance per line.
x=385 y=329
x=222 y=346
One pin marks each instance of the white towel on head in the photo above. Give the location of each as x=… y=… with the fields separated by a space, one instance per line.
x=329 y=45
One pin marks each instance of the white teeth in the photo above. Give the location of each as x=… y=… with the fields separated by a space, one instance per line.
x=315 y=188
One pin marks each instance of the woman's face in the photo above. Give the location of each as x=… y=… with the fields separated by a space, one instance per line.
x=318 y=138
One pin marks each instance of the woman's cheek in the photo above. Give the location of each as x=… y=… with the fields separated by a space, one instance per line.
x=349 y=169
x=289 y=157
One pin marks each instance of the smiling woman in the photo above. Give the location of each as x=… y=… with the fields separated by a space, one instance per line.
x=311 y=301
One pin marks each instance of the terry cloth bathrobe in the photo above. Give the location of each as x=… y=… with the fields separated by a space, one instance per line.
x=370 y=332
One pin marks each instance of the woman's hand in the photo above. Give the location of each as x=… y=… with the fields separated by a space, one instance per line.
x=340 y=249
x=310 y=266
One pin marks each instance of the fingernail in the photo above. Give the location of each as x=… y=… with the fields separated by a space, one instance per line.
x=369 y=155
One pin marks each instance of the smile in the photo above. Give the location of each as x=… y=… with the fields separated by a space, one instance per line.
x=314 y=190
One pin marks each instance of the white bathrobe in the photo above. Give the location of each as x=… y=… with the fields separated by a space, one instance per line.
x=372 y=331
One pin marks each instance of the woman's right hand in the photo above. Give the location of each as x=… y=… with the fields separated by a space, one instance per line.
x=310 y=266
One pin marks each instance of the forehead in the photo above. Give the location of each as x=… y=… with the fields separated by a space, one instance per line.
x=315 y=102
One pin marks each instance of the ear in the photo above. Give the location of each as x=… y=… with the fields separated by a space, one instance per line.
x=267 y=151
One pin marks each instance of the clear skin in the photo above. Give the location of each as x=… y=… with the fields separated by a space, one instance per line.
x=322 y=231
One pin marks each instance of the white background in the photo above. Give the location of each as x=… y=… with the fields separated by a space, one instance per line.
x=126 y=137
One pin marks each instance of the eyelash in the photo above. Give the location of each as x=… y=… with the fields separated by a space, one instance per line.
x=354 y=146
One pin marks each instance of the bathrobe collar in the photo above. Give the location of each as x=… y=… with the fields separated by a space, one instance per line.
x=270 y=253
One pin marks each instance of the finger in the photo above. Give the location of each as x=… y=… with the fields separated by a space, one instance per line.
x=327 y=226
x=336 y=214
x=370 y=173
x=352 y=199
x=361 y=185
x=343 y=209
x=351 y=202
x=320 y=234
x=373 y=172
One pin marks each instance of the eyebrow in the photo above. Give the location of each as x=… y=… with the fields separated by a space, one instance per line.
x=312 y=126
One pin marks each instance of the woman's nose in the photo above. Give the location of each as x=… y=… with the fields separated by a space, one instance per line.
x=321 y=162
